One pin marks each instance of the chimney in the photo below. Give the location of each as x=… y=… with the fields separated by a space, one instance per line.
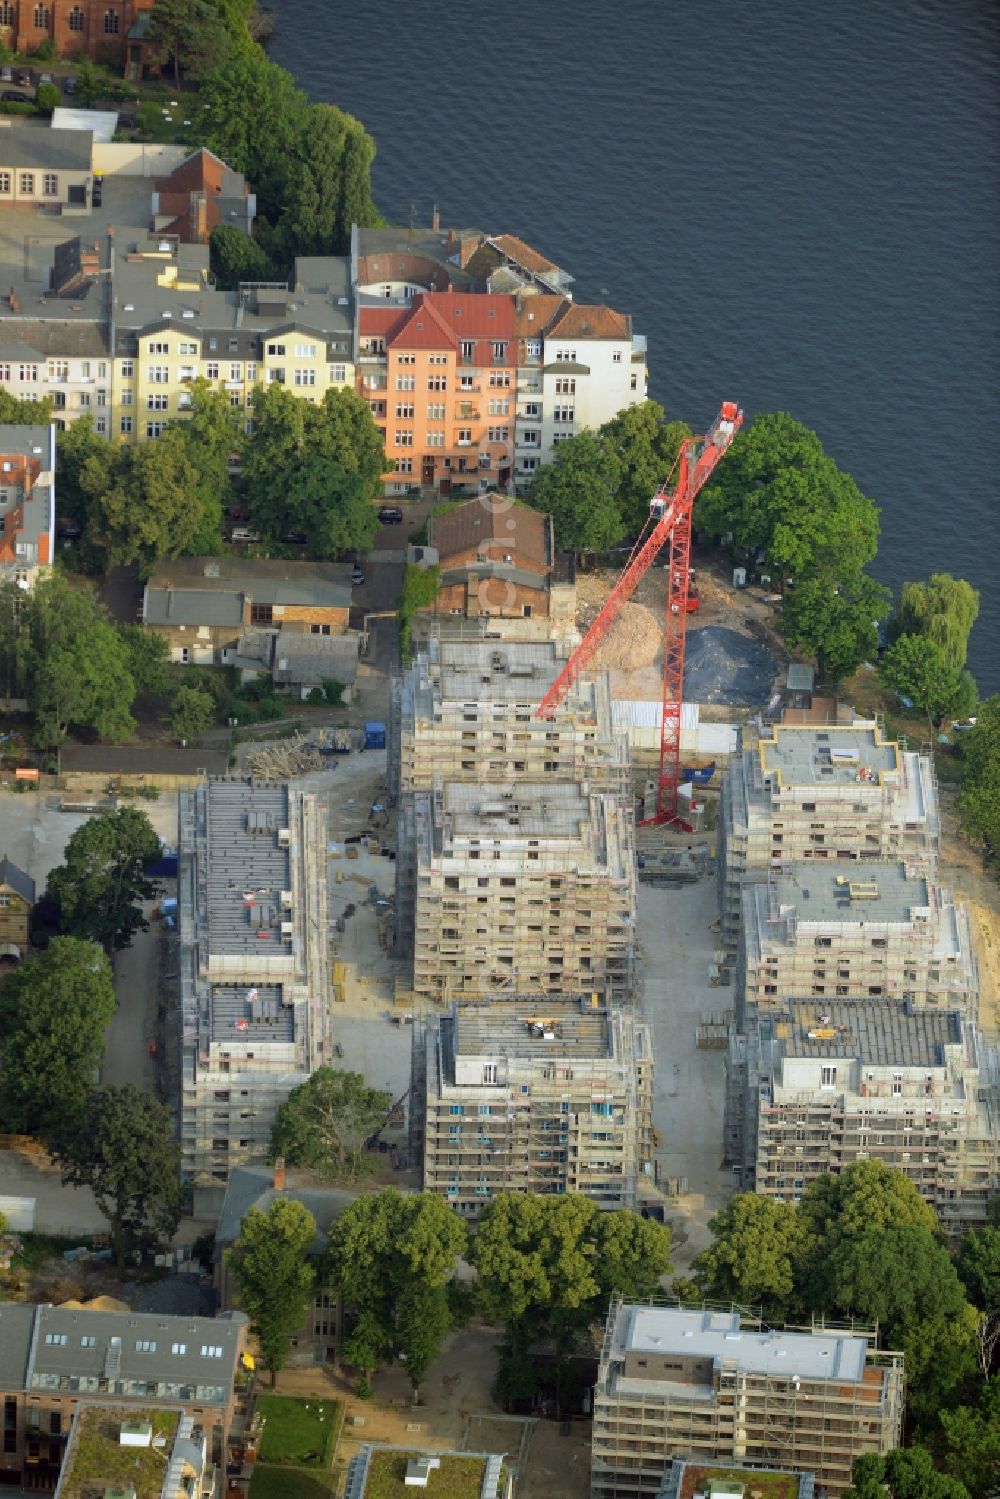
x=278 y=1178
x=436 y=218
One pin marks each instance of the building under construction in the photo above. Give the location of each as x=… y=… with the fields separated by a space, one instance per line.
x=254 y=976
x=530 y=1094
x=832 y=930
x=529 y=887
x=825 y=1084
x=711 y=1386
x=810 y=793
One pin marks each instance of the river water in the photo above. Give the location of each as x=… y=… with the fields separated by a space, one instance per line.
x=798 y=204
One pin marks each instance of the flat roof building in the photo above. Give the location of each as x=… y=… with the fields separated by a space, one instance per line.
x=378 y=1472
x=699 y=1480
x=533 y=1094
x=819 y=1086
x=59 y=1361
x=150 y=1453
x=815 y=792
x=254 y=976
x=531 y=884
x=831 y=930
x=711 y=1386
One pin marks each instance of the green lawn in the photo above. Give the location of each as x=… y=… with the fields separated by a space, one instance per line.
x=300 y=1432
x=289 y=1483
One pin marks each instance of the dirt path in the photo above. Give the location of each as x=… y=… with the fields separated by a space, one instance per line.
x=962 y=869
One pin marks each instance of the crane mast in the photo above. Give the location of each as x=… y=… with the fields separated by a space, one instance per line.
x=669 y=524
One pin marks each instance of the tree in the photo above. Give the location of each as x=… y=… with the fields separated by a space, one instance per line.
x=90 y=87
x=355 y=205
x=47 y=98
x=274 y=1276
x=577 y=490
x=392 y=1257
x=643 y=449
x=906 y=1473
x=779 y=494
x=756 y=1245
x=147 y=659
x=191 y=712
x=329 y=183
x=236 y=258
x=192 y=34
x=979 y=797
x=122 y=1147
x=943 y=609
x=914 y=667
x=542 y=1268
x=972 y=1435
x=978 y=1266
x=74 y=664
x=101 y=881
x=53 y=1011
x=211 y=434
x=836 y=623
x=76 y=445
x=325 y=502
x=324 y=1123
x=148 y=506
x=254 y=117
x=23 y=411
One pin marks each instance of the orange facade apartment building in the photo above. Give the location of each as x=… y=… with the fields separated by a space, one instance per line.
x=441 y=378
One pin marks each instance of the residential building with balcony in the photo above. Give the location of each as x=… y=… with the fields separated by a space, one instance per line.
x=440 y=377
x=27 y=503
x=715 y=1387
x=526 y=1093
x=816 y=792
x=63 y=1365
x=816 y=1087
x=832 y=930
x=254 y=973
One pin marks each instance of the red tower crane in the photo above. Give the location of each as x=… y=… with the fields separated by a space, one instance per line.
x=669 y=523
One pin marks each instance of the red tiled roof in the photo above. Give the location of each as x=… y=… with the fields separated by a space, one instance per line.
x=474 y=315
x=494 y=522
x=376 y=320
x=418 y=270
x=423 y=327
x=200 y=173
x=535 y=313
x=578 y=321
x=515 y=249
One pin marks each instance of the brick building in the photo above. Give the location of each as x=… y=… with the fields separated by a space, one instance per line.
x=110 y=31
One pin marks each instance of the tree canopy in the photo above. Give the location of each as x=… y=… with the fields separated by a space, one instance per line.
x=53 y=1013
x=237 y=258
x=752 y=1260
x=979 y=797
x=145 y=504
x=906 y=1473
x=191 y=34
x=836 y=623
x=643 y=449
x=73 y=663
x=191 y=712
x=270 y=1262
x=122 y=1146
x=915 y=667
x=943 y=609
x=323 y=1124
x=578 y=490
x=101 y=882
x=327 y=188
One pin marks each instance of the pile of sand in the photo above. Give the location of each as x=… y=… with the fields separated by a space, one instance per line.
x=635 y=641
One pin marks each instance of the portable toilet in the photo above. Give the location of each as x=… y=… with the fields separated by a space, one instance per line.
x=374 y=736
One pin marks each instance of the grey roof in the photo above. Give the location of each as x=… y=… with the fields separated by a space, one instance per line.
x=100 y=759
x=191 y=606
x=22 y=440
x=63 y=1357
x=44 y=149
x=572 y=1027
x=720 y=1335
x=323 y=584
x=32 y=338
x=879 y=1032
x=248 y=868
x=842 y=890
x=251 y=1013
x=252 y=1186
x=308 y=659
x=800 y=677
x=827 y=756
x=17 y=1323
x=17 y=880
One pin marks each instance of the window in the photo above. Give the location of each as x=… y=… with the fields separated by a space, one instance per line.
x=128 y=397
x=261 y=614
x=499 y=380
x=634 y=383
x=101 y=426
x=157 y=402
x=88 y=1342
x=465 y=437
x=435 y=411
x=83 y=400
x=437 y=359
x=276 y=349
x=101 y=398
x=828 y=1077
x=128 y=369
x=28 y=373
x=435 y=439
x=565 y=387
x=500 y=351
x=498 y=434
x=41 y=17
x=178 y=1348
x=125 y=425
x=211 y=1350
x=4 y=182
x=26 y=182
x=404 y=412
x=533 y=348
x=406 y=382
x=304 y=377
x=145 y=1345
x=338 y=373
x=50 y=185
x=305 y=351
x=56 y=1339
x=76 y=19
x=404 y=439
x=616 y=356
x=319 y=629
x=157 y=374
x=437 y=382
x=499 y=407
x=530 y=438
x=406 y=358
x=154 y=429
x=567 y=356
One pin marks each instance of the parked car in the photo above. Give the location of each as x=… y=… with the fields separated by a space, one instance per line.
x=391 y=515
x=242 y=534
x=357 y=575
x=6 y=74
x=295 y=538
x=68 y=531
x=70 y=84
x=11 y=95
x=24 y=78
x=44 y=78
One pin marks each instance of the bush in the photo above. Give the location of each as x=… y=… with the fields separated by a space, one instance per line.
x=47 y=98
x=12 y=107
x=316 y=695
x=45 y=51
x=333 y=691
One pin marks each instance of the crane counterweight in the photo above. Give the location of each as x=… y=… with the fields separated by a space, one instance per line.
x=670 y=512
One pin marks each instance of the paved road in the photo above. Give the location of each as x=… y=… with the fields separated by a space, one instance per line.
x=133 y=1026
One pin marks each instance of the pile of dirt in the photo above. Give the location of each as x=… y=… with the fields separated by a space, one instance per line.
x=635 y=641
